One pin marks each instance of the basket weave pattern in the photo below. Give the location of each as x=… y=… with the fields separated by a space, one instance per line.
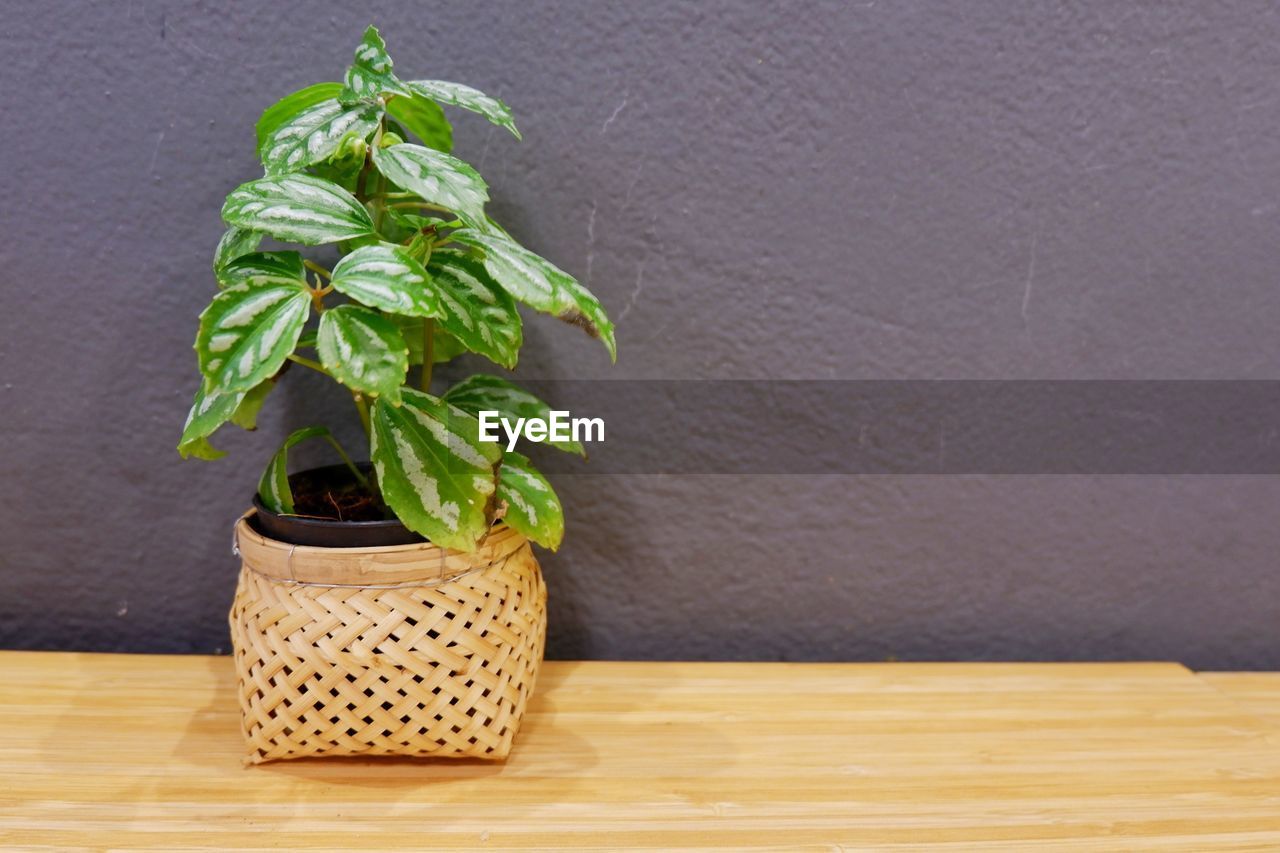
x=426 y=652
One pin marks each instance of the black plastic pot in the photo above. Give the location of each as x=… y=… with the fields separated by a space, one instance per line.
x=327 y=533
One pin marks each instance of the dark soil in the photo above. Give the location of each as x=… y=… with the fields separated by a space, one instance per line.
x=334 y=496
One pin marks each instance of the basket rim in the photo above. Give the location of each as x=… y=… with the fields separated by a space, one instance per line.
x=376 y=565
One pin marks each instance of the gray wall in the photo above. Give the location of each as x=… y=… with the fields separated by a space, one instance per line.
x=781 y=190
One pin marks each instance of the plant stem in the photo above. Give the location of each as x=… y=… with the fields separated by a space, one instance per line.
x=307 y=362
x=316 y=268
x=428 y=354
x=362 y=406
x=379 y=196
x=428 y=205
x=360 y=477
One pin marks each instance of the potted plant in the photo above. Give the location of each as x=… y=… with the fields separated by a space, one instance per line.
x=393 y=606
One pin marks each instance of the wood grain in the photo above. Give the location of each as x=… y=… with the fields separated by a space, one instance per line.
x=134 y=752
x=1256 y=692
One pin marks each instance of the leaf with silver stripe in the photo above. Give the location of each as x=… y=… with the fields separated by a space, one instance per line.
x=297 y=209
x=313 y=134
x=386 y=277
x=369 y=76
x=540 y=284
x=248 y=331
x=437 y=177
x=290 y=105
x=234 y=243
x=363 y=350
x=266 y=268
x=476 y=310
x=455 y=94
x=433 y=470
x=210 y=409
x=532 y=505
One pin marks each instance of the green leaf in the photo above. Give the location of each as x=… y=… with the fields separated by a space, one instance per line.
x=540 y=284
x=363 y=350
x=435 y=176
x=386 y=277
x=458 y=95
x=246 y=414
x=433 y=469
x=290 y=105
x=444 y=346
x=266 y=268
x=299 y=209
x=532 y=506
x=478 y=312
x=210 y=409
x=370 y=75
x=234 y=243
x=273 y=487
x=248 y=331
x=483 y=392
x=423 y=118
x=314 y=134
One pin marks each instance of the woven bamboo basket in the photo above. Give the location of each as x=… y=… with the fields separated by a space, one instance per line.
x=405 y=650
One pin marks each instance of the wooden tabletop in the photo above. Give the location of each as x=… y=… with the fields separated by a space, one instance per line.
x=143 y=752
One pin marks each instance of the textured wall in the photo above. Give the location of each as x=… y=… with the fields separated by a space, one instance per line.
x=782 y=190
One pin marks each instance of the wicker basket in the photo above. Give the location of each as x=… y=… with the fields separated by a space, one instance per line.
x=405 y=650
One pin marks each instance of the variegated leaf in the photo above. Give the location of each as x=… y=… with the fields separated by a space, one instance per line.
x=248 y=331
x=532 y=505
x=266 y=268
x=363 y=350
x=290 y=105
x=314 y=134
x=234 y=243
x=433 y=470
x=298 y=209
x=540 y=284
x=386 y=277
x=458 y=95
x=483 y=392
x=210 y=409
x=370 y=76
x=273 y=487
x=435 y=176
x=477 y=311
x=424 y=118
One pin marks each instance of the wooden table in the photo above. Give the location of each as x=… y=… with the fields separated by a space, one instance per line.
x=132 y=752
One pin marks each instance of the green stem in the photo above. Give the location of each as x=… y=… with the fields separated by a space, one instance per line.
x=307 y=362
x=379 y=196
x=362 y=406
x=428 y=205
x=316 y=268
x=428 y=354
x=380 y=212
x=363 y=480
